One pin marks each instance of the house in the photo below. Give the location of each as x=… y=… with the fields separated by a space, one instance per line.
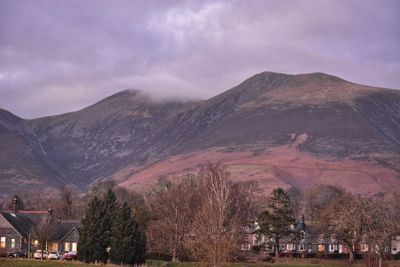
x=17 y=232
x=16 y=229
x=251 y=237
x=66 y=237
x=395 y=246
x=302 y=242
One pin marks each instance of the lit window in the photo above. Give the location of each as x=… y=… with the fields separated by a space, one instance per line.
x=74 y=246
x=67 y=246
x=2 y=242
x=321 y=248
x=12 y=243
x=54 y=247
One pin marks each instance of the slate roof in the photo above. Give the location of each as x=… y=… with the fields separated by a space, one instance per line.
x=63 y=228
x=24 y=222
x=21 y=223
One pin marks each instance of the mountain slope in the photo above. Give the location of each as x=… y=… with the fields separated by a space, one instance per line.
x=260 y=127
x=93 y=143
x=267 y=109
x=23 y=162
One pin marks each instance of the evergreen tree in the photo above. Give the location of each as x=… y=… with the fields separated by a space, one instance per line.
x=95 y=234
x=128 y=240
x=89 y=249
x=104 y=231
x=277 y=221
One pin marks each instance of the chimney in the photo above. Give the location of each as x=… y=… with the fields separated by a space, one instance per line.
x=15 y=203
x=301 y=219
x=50 y=211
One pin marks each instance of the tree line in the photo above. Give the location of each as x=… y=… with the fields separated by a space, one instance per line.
x=202 y=217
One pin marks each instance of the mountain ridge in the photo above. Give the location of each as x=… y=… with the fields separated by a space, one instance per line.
x=128 y=132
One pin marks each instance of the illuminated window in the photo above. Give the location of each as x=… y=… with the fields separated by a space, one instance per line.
x=74 y=246
x=54 y=247
x=12 y=243
x=2 y=242
x=321 y=248
x=67 y=246
x=364 y=247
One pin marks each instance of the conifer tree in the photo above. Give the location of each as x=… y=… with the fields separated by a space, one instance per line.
x=89 y=249
x=276 y=222
x=95 y=233
x=128 y=242
x=107 y=217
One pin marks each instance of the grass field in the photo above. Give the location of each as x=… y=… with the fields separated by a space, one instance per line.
x=152 y=263
x=38 y=263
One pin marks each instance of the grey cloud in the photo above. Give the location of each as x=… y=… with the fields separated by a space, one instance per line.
x=58 y=56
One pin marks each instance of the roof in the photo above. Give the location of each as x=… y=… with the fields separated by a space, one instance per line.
x=20 y=222
x=63 y=228
x=24 y=222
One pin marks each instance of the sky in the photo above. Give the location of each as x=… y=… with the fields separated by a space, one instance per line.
x=60 y=56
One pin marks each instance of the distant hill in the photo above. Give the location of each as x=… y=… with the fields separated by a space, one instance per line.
x=281 y=130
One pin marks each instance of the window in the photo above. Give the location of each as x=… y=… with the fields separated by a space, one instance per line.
x=245 y=246
x=53 y=246
x=301 y=247
x=364 y=247
x=2 y=242
x=12 y=242
x=321 y=248
x=74 y=246
x=67 y=246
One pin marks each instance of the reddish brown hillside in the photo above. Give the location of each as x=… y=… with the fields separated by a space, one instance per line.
x=282 y=166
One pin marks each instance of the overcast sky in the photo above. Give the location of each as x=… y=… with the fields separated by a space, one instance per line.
x=58 y=56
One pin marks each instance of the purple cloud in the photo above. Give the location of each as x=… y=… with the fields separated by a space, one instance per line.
x=58 y=56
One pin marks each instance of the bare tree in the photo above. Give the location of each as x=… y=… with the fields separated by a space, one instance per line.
x=381 y=225
x=173 y=204
x=346 y=218
x=249 y=197
x=318 y=199
x=44 y=232
x=217 y=224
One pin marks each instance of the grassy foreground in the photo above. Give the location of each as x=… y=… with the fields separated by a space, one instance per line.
x=151 y=263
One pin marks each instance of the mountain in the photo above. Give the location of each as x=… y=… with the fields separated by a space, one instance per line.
x=93 y=143
x=281 y=130
x=23 y=162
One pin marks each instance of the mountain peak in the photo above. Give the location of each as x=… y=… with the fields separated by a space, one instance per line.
x=131 y=95
x=271 y=77
x=317 y=88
